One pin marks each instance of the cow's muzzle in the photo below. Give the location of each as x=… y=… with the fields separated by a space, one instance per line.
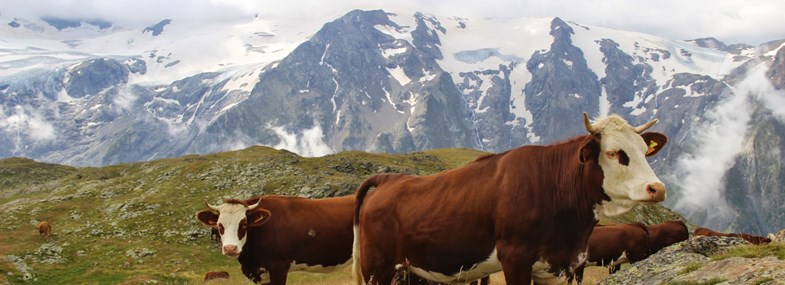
x=656 y=192
x=231 y=250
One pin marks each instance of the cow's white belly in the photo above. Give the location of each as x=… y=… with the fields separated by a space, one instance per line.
x=477 y=271
x=317 y=268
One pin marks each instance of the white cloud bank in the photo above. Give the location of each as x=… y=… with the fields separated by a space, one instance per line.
x=309 y=143
x=732 y=21
x=721 y=139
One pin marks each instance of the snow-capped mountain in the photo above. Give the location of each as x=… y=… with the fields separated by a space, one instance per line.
x=96 y=94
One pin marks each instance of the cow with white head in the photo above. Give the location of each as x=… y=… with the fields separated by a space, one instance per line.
x=628 y=177
x=233 y=220
x=273 y=235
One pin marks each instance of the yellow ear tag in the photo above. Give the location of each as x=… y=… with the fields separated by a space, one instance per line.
x=259 y=219
x=652 y=144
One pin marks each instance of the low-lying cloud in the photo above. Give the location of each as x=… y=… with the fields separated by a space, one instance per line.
x=308 y=143
x=720 y=140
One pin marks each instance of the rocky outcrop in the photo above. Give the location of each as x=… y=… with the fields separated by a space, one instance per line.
x=696 y=260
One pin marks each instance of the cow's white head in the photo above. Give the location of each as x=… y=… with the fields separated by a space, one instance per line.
x=233 y=219
x=628 y=177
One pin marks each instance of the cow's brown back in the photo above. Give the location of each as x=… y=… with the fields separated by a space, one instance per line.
x=753 y=239
x=667 y=233
x=607 y=243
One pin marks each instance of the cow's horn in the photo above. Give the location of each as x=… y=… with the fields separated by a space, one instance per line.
x=645 y=126
x=588 y=125
x=211 y=207
x=251 y=207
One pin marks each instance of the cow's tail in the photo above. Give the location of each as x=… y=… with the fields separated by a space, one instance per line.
x=372 y=181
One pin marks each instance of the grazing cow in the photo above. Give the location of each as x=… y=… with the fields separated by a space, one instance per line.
x=44 y=229
x=614 y=245
x=216 y=275
x=757 y=240
x=273 y=235
x=665 y=234
x=528 y=208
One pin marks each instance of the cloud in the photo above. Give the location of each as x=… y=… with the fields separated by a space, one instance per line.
x=308 y=143
x=125 y=99
x=731 y=21
x=27 y=122
x=720 y=140
x=125 y=12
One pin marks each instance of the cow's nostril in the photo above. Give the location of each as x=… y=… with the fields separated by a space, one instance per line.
x=656 y=191
x=230 y=249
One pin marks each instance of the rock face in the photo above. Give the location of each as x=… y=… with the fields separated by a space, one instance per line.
x=690 y=261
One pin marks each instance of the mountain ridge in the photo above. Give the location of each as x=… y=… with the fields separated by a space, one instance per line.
x=375 y=81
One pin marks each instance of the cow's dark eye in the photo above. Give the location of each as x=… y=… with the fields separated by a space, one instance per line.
x=221 y=228
x=623 y=158
x=619 y=155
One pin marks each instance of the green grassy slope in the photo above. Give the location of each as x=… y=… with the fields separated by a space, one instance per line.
x=135 y=222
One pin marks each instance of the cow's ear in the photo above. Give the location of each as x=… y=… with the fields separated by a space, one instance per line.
x=207 y=217
x=258 y=217
x=655 y=141
x=590 y=148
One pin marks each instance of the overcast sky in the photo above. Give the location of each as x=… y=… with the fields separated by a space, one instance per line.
x=731 y=21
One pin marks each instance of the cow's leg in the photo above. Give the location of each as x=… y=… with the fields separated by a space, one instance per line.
x=578 y=274
x=278 y=273
x=615 y=268
x=516 y=264
x=377 y=272
x=377 y=253
x=483 y=281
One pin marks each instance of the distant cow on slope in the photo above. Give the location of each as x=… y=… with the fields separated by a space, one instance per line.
x=44 y=229
x=529 y=207
x=667 y=233
x=750 y=238
x=215 y=234
x=613 y=245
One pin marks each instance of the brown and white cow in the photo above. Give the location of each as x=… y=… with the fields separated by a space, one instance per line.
x=613 y=245
x=529 y=207
x=757 y=240
x=44 y=229
x=665 y=234
x=273 y=235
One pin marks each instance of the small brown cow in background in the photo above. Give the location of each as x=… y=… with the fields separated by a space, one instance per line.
x=667 y=233
x=216 y=275
x=613 y=245
x=44 y=229
x=215 y=234
x=757 y=240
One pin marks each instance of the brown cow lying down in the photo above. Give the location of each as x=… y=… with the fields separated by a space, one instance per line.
x=613 y=245
x=216 y=275
x=528 y=210
x=273 y=235
x=665 y=234
x=750 y=238
x=44 y=229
